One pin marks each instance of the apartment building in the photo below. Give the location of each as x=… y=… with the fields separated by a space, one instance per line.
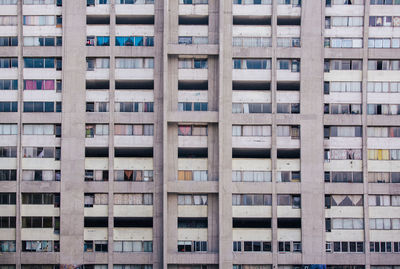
x=200 y=134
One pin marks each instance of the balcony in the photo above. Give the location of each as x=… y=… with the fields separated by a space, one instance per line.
x=134 y=234
x=95 y=234
x=192 y=211
x=193 y=10
x=39 y=234
x=133 y=163
x=134 y=74
x=96 y=211
x=133 y=211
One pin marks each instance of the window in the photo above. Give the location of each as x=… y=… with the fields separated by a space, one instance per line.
x=252 y=199
x=379 y=43
x=384 y=177
x=136 y=41
x=133 y=246
x=384 y=21
x=289 y=200
x=384 y=224
x=345 y=247
x=342 y=154
x=8 y=84
x=384 y=87
x=342 y=65
x=95 y=246
x=8 y=41
x=193 y=175
x=342 y=86
x=383 y=109
x=384 y=200
x=133 y=175
x=192 y=246
x=347 y=224
x=343 y=21
x=288 y=176
x=38 y=41
x=39 y=222
x=384 y=247
x=39 y=2
x=97 y=63
x=42 y=63
x=93 y=130
x=288 y=108
x=40 y=246
x=251 y=176
x=342 y=108
x=252 y=42
x=8 y=175
x=384 y=64
x=255 y=246
x=96 y=175
x=8 y=20
x=331 y=42
x=288 y=131
x=42 y=107
x=189 y=199
x=39 y=84
x=251 y=108
x=133 y=63
x=8 y=152
x=289 y=64
x=133 y=198
x=188 y=40
x=7 y=246
x=136 y=129
x=8 y=2
x=41 y=199
x=42 y=129
x=42 y=152
x=344 y=177
x=195 y=106
x=287 y=42
x=7 y=198
x=287 y=246
x=251 y=63
x=342 y=131
x=8 y=62
x=91 y=199
x=251 y=130
x=384 y=154
x=8 y=129
x=39 y=20
x=7 y=222
x=193 y=2
x=41 y=175
x=134 y=107
x=96 y=107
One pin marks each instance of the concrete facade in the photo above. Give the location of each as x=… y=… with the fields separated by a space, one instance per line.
x=157 y=152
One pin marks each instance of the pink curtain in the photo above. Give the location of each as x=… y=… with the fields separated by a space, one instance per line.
x=30 y=84
x=48 y=84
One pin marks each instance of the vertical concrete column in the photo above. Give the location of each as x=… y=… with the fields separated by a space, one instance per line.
x=365 y=134
x=212 y=230
x=213 y=90
x=312 y=172
x=163 y=132
x=73 y=133
x=158 y=150
x=274 y=222
x=18 y=203
x=213 y=26
x=172 y=229
x=212 y=144
x=225 y=134
x=111 y=150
